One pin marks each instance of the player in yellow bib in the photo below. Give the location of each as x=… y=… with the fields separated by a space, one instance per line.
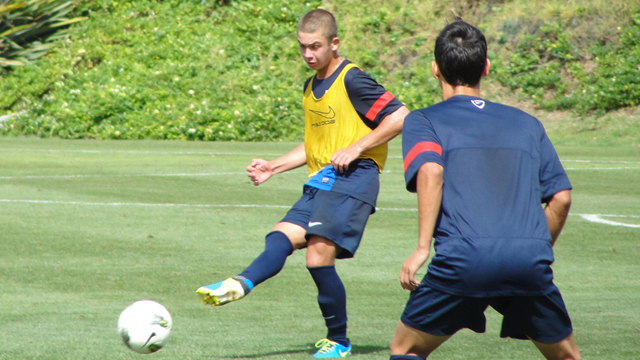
x=349 y=118
x=332 y=123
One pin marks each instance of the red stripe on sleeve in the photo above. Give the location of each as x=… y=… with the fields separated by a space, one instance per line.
x=418 y=149
x=379 y=105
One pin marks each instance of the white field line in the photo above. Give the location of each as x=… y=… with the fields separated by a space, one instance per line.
x=135 y=152
x=612 y=168
x=597 y=218
x=138 y=152
x=77 y=176
x=116 y=175
x=81 y=203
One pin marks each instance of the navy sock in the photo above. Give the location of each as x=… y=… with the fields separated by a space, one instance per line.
x=332 y=299
x=276 y=250
x=405 y=357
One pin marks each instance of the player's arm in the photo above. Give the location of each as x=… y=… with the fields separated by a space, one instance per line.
x=389 y=128
x=261 y=170
x=429 y=188
x=378 y=108
x=557 y=211
x=555 y=187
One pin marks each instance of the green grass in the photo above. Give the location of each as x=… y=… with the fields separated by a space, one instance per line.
x=104 y=229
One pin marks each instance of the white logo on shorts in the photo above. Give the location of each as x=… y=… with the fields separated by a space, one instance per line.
x=314 y=223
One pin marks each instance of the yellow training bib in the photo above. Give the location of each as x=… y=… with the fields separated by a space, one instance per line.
x=332 y=123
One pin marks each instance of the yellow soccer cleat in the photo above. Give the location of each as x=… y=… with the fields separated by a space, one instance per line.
x=224 y=292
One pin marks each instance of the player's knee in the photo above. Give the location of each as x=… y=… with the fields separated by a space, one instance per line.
x=294 y=233
x=321 y=252
x=395 y=347
x=399 y=346
x=315 y=259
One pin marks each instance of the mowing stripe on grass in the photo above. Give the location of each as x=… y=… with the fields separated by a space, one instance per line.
x=137 y=152
x=602 y=161
x=597 y=218
x=215 y=174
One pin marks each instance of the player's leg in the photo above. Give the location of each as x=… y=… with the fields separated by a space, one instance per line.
x=409 y=343
x=279 y=244
x=542 y=319
x=566 y=349
x=336 y=225
x=332 y=297
x=430 y=318
x=283 y=239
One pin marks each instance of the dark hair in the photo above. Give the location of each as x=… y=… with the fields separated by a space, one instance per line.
x=319 y=20
x=461 y=53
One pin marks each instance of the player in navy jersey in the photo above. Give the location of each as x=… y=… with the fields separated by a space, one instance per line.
x=481 y=171
x=349 y=118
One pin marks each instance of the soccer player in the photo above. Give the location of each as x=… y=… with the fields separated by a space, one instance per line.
x=481 y=171
x=349 y=118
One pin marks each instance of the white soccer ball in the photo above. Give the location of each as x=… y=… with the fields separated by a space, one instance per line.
x=145 y=326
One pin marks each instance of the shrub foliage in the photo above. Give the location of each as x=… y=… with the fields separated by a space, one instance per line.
x=230 y=69
x=553 y=71
x=166 y=70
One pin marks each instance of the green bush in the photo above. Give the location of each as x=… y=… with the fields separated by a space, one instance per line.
x=551 y=71
x=166 y=70
x=231 y=70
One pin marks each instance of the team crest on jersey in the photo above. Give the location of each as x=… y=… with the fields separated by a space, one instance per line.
x=478 y=103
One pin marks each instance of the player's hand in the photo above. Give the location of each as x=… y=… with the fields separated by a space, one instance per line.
x=410 y=267
x=259 y=171
x=343 y=157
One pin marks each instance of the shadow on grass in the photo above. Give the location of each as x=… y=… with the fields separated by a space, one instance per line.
x=356 y=350
x=367 y=349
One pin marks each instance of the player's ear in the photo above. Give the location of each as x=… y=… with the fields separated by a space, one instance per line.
x=435 y=70
x=335 y=44
x=487 y=67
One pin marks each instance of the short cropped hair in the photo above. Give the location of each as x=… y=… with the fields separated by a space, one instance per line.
x=461 y=53
x=319 y=20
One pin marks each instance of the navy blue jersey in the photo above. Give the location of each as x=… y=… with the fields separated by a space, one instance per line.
x=492 y=237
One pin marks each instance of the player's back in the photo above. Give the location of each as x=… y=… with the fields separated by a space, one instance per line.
x=491 y=169
x=492 y=238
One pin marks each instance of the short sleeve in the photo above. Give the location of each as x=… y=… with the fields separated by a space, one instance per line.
x=420 y=145
x=370 y=99
x=553 y=178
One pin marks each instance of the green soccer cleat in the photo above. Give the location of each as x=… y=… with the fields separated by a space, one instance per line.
x=331 y=349
x=224 y=292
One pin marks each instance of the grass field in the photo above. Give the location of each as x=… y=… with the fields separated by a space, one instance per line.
x=88 y=227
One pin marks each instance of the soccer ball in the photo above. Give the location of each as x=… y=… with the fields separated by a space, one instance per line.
x=145 y=326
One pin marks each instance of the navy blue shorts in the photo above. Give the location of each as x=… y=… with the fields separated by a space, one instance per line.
x=335 y=216
x=542 y=318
